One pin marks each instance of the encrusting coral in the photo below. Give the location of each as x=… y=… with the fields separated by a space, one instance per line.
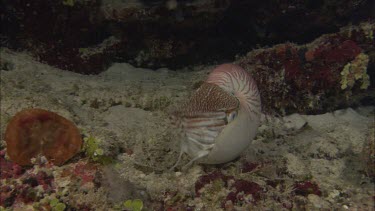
x=314 y=77
x=33 y=133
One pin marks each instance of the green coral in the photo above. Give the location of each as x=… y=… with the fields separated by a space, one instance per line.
x=354 y=71
x=59 y=207
x=56 y=205
x=68 y=3
x=54 y=202
x=368 y=30
x=3 y=209
x=131 y=205
x=91 y=146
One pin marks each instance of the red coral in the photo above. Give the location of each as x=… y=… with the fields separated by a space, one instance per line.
x=328 y=59
x=8 y=168
x=249 y=167
x=86 y=172
x=24 y=190
x=241 y=188
x=306 y=188
x=7 y=196
x=209 y=178
x=45 y=180
x=337 y=51
x=292 y=68
x=305 y=78
x=34 y=132
x=21 y=186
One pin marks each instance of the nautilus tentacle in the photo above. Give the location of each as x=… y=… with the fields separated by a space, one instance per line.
x=222 y=116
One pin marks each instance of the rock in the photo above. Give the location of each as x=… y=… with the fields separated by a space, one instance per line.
x=294 y=122
x=295 y=166
x=317 y=202
x=368 y=153
x=171 y=33
x=310 y=78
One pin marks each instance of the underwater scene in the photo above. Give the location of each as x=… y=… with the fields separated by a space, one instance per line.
x=197 y=105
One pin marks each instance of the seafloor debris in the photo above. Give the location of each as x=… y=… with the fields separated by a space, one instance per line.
x=34 y=133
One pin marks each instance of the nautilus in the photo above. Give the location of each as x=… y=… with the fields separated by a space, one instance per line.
x=221 y=118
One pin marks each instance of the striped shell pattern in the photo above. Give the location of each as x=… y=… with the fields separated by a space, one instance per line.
x=221 y=118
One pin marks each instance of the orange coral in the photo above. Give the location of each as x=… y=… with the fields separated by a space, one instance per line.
x=36 y=132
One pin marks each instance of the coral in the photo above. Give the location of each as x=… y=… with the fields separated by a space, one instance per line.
x=69 y=3
x=85 y=172
x=238 y=191
x=338 y=50
x=133 y=205
x=59 y=207
x=356 y=70
x=45 y=186
x=243 y=191
x=310 y=78
x=28 y=188
x=209 y=178
x=8 y=168
x=305 y=188
x=368 y=30
x=34 y=133
x=249 y=167
x=78 y=186
x=174 y=200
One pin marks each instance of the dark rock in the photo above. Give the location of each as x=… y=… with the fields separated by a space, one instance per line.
x=171 y=33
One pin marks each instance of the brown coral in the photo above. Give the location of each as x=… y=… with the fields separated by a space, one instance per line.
x=32 y=133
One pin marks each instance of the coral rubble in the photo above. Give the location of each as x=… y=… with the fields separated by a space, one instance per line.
x=49 y=187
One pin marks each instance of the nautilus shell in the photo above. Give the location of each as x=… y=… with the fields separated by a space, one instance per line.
x=221 y=118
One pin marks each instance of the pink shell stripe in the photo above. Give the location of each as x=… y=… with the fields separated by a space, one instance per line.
x=233 y=78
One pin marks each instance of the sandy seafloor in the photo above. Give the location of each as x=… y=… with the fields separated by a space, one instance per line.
x=127 y=109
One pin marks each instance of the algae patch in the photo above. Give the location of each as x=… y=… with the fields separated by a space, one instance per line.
x=354 y=71
x=91 y=147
